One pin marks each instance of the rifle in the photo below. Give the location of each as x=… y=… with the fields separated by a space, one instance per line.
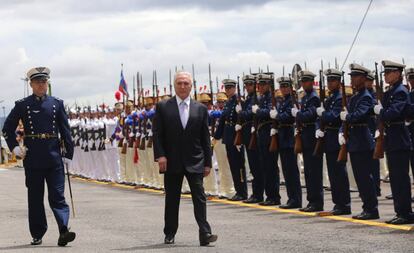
x=379 y=142
x=171 y=85
x=238 y=137
x=274 y=145
x=343 y=152
x=213 y=121
x=150 y=139
x=253 y=136
x=144 y=132
x=195 y=84
x=133 y=89
x=319 y=141
x=298 y=148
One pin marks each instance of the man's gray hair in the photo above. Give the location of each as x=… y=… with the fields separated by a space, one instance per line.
x=183 y=73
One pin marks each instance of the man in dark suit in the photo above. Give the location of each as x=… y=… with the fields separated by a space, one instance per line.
x=45 y=125
x=182 y=148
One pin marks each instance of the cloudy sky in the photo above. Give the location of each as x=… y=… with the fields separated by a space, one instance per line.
x=85 y=42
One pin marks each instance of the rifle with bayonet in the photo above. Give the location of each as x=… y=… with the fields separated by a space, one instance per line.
x=298 y=148
x=343 y=152
x=150 y=139
x=238 y=137
x=274 y=145
x=213 y=120
x=195 y=84
x=319 y=142
x=253 y=136
x=379 y=141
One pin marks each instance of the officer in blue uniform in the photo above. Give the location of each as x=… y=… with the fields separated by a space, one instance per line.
x=313 y=164
x=360 y=143
x=372 y=124
x=397 y=142
x=267 y=160
x=286 y=141
x=329 y=116
x=226 y=131
x=410 y=116
x=45 y=125
x=245 y=113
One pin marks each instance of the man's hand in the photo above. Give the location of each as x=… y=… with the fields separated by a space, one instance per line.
x=207 y=171
x=162 y=164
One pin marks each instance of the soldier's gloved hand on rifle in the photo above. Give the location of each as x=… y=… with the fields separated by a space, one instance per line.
x=273 y=131
x=273 y=113
x=237 y=127
x=252 y=130
x=320 y=110
x=66 y=161
x=319 y=134
x=238 y=108
x=238 y=147
x=255 y=108
x=408 y=123
x=341 y=139
x=343 y=115
x=294 y=111
x=150 y=133
x=377 y=134
x=19 y=152
x=296 y=132
x=378 y=108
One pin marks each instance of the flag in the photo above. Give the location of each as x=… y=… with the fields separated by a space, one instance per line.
x=123 y=85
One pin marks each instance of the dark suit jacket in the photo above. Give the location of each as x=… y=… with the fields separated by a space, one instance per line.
x=185 y=149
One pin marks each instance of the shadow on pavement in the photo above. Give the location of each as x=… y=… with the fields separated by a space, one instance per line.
x=157 y=246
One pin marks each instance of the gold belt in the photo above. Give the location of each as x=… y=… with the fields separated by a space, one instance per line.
x=41 y=136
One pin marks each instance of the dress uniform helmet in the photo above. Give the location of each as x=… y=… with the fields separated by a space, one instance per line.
x=305 y=75
x=221 y=97
x=410 y=73
x=204 y=98
x=357 y=70
x=149 y=100
x=264 y=78
x=229 y=82
x=38 y=73
x=333 y=74
x=371 y=76
x=284 y=81
x=392 y=66
x=249 y=79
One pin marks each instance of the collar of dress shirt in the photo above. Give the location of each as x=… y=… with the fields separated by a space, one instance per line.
x=186 y=100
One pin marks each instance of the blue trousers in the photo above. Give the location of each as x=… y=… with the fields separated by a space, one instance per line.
x=290 y=170
x=258 y=181
x=35 y=183
x=313 y=177
x=338 y=178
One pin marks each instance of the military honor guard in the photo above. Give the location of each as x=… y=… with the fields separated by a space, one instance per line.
x=267 y=159
x=410 y=116
x=226 y=132
x=392 y=112
x=47 y=143
x=328 y=113
x=360 y=143
x=307 y=119
x=286 y=142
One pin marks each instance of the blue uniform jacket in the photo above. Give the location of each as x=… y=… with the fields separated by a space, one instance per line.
x=332 y=121
x=359 y=113
x=307 y=116
x=228 y=119
x=372 y=122
x=410 y=116
x=393 y=115
x=263 y=117
x=286 y=124
x=247 y=119
x=40 y=116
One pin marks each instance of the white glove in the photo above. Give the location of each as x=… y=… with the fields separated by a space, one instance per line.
x=131 y=134
x=238 y=147
x=341 y=139
x=66 y=161
x=320 y=110
x=107 y=141
x=255 y=108
x=296 y=132
x=149 y=133
x=273 y=113
x=138 y=134
x=378 y=108
x=237 y=127
x=273 y=131
x=343 y=115
x=238 y=108
x=319 y=134
x=377 y=134
x=252 y=130
x=19 y=152
x=294 y=111
x=408 y=123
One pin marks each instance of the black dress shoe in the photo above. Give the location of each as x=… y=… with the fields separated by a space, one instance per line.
x=270 y=202
x=36 y=241
x=252 y=200
x=237 y=198
x=169 y=239
x=399 y=220
x=206 y=239
x=66 y=237
x=290 y=206
x=366 y=216
x=311 y=209
x=341 y=212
